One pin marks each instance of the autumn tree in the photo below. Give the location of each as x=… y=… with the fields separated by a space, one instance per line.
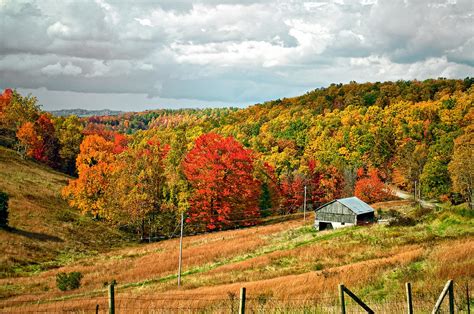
x=224 y=190
x=5 y=99
x=177 y=184
x=461 y=167
x=38 y=140
x=411 y=159
x=324 y=184
x=46 y=131
x=94 y=166
x=138 y=184
x=292 y=193
x=17 y=109
x=370 y=188
x=270 y=196
x=69 y=132
x=30 y=144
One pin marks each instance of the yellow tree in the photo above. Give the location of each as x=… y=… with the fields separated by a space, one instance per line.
x=138 y=185
x=461 y=167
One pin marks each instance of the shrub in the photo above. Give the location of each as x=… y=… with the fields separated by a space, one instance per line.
x=318 y=266
x=456 y=198
x=422 y=212
x=68 y=281
x=3 y=209
x=402 y=221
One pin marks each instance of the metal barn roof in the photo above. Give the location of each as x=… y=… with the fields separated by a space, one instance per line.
x=353 y=203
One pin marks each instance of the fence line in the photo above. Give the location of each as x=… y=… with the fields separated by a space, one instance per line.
x=249 y=301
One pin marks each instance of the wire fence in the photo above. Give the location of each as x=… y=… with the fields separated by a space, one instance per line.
x=255 y=302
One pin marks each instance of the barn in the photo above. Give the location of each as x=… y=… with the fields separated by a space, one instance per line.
x=343 y=212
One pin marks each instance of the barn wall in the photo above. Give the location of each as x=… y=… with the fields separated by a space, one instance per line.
x=335 y=225
x=336 y=212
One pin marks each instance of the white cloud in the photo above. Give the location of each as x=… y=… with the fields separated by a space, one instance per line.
x=58 y=29
x=58 y=69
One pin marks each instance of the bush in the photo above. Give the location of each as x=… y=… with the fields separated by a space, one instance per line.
x=68 y=281
x=422 y=212
x=403 y=221
x=456 y=198
x=3 y=209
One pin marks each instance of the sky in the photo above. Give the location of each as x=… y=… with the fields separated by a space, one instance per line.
x=150 y=54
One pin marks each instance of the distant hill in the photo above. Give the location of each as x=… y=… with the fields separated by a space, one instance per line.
x=85 y=113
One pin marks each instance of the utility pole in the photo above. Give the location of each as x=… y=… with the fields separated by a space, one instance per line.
x=414 y=194
x=180 y=250
x=419 y=191
x=304 y=205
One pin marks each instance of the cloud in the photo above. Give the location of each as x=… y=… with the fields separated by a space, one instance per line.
x=58 y=69
x=223 y=51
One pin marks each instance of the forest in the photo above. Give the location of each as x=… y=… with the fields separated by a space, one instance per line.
x=228 y=168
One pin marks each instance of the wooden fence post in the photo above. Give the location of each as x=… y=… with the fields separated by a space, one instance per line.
x=111 y=299
x=468 y=299
x=341 y=297
x=343 y=289
x=242 y=300
x=409 y=298
x=449 y=287
x=451 y=298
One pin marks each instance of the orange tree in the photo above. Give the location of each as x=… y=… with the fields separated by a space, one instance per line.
x=39 y=140
x=94 y=167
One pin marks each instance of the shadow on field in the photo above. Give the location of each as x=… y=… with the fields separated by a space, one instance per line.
x=35 y=235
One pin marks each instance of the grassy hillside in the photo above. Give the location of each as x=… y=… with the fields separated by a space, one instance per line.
x=285 y=266
x=46 y=232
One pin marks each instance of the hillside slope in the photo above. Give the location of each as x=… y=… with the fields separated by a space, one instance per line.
x=46 y=232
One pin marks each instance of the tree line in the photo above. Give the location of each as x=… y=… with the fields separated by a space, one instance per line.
x=229 y=167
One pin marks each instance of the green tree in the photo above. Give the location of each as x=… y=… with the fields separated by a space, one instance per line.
x=265 y=203
x=177 y=185
x=435 y=178
x=69 y=131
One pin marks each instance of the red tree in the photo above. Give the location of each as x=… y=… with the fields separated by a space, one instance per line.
x=292 y=194
x=5 y=99
x=50 y=141
x=225 y=192
x=370 y=188
x=324 y=184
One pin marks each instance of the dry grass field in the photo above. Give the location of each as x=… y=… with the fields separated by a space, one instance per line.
x=286 y=267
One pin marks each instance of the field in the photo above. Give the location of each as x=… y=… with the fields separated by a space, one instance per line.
x=287 y=266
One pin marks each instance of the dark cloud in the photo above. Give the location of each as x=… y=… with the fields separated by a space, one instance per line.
x=226 y=52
